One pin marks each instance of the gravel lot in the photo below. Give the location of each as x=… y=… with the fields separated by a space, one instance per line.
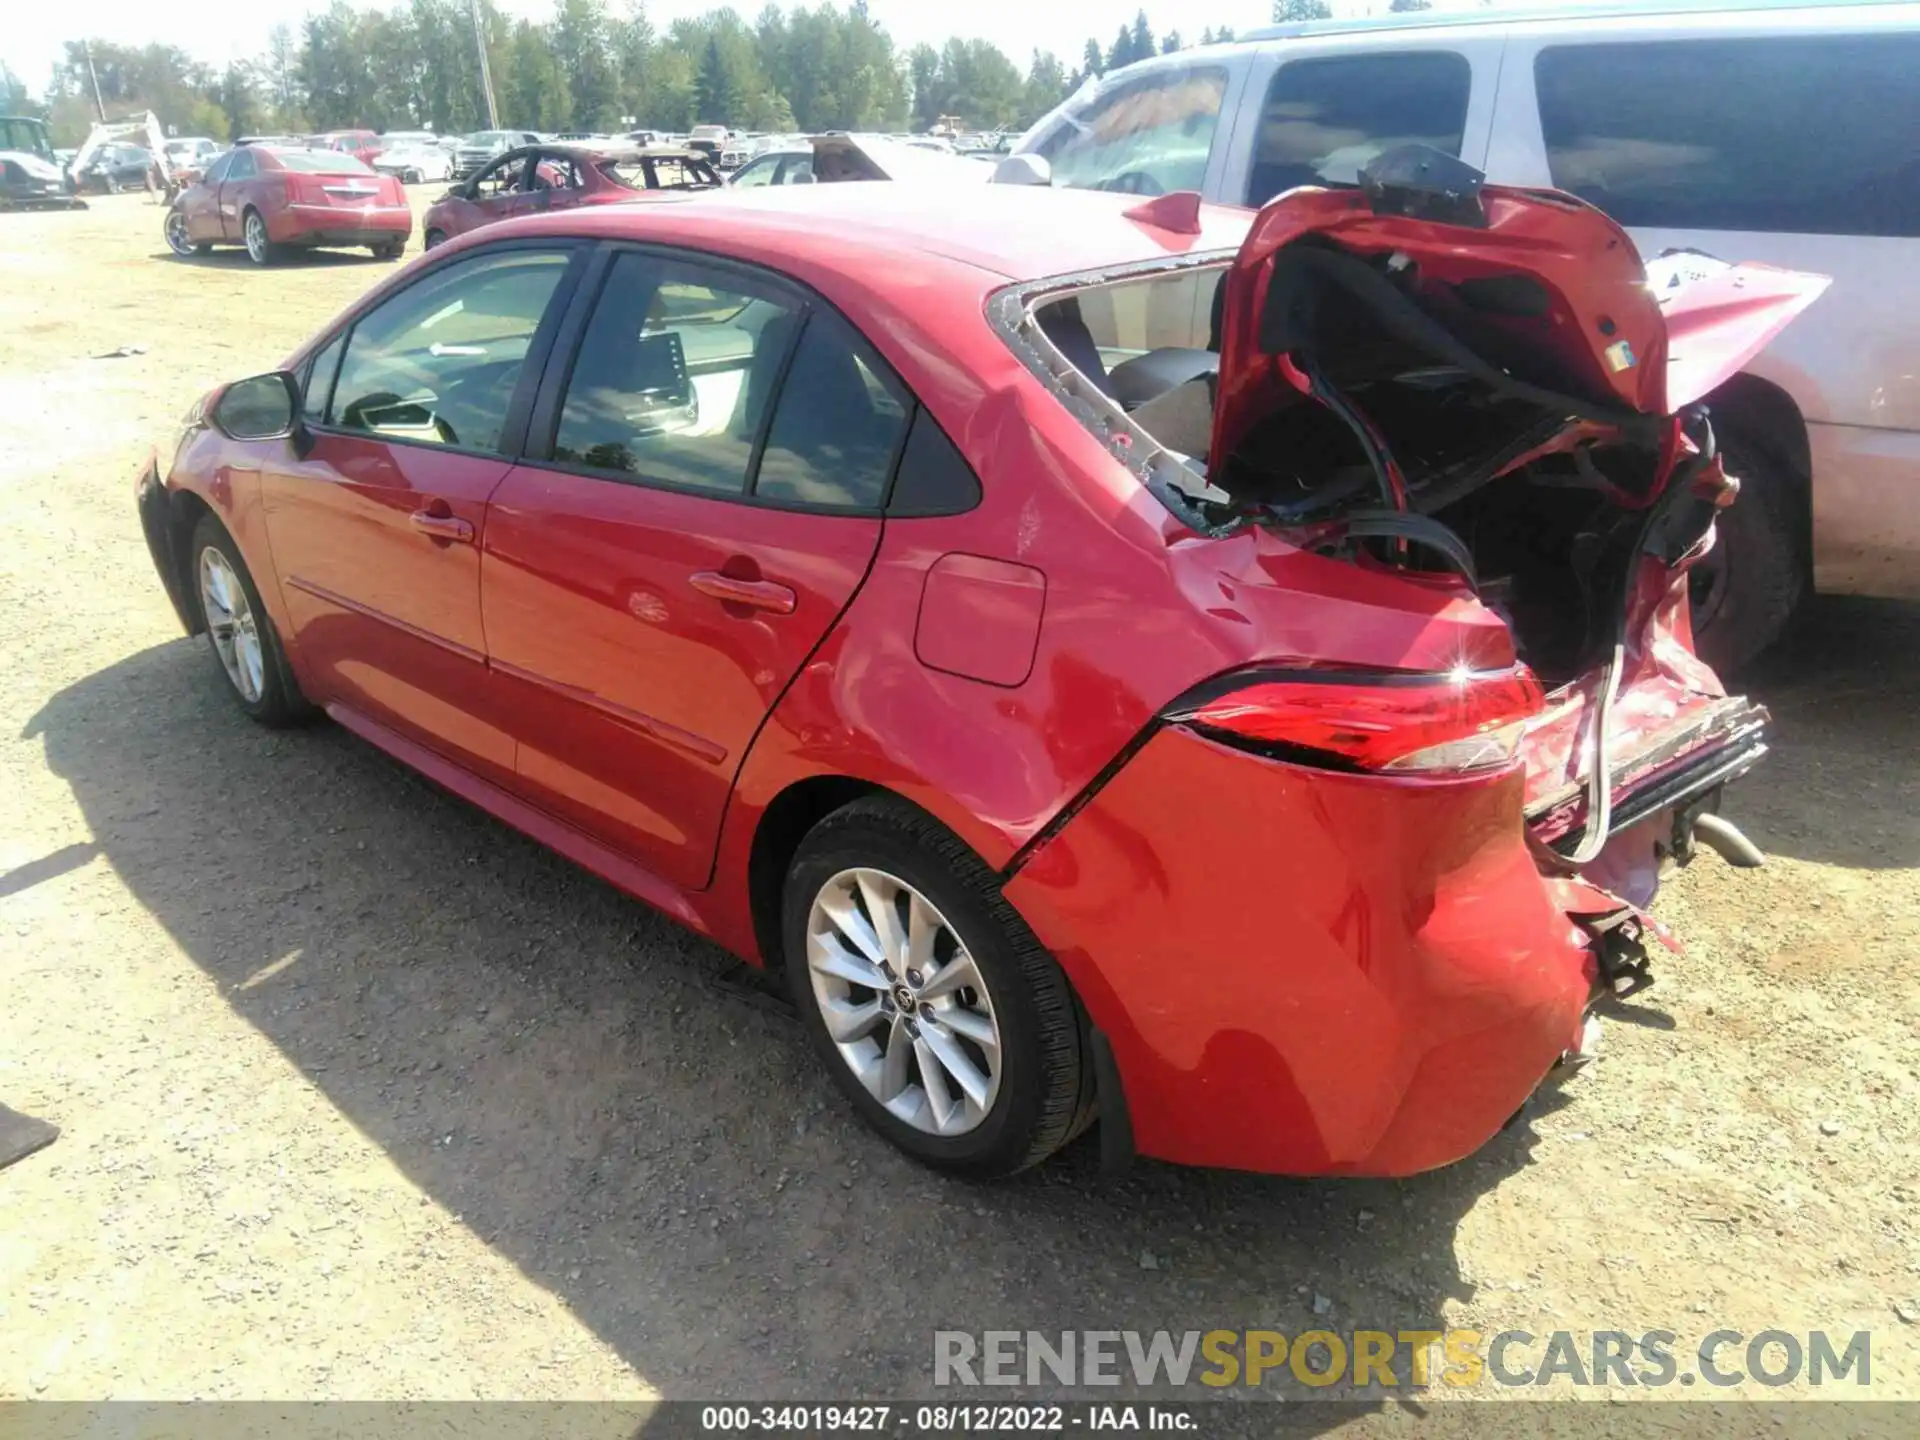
x=366 y=1096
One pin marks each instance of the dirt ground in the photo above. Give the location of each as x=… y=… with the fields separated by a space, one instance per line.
x=366 y=1096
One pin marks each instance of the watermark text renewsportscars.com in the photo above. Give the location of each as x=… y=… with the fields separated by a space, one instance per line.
x=1399 y=1359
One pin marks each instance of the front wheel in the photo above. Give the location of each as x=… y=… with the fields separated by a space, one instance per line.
x=436 y=238
x=178 y=240
x=239 y=632
x=933 y=1006
x=260 y=247
x=388 y=251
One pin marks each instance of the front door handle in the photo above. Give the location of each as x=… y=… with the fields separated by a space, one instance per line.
x=442 y=527
x=757 y=594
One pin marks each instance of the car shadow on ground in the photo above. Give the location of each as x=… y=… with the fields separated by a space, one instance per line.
x=1842 y=786
x=556 y=1064
x=234 y=257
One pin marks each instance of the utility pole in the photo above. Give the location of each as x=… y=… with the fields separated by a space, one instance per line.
x=93 y=75
x=486 y=71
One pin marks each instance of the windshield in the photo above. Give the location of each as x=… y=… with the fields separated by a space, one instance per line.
x=487 y=137
x=319 y=162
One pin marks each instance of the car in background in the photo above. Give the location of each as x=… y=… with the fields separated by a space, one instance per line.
x=870 y=579
x=32 y=182
x=280 y=142
x=116 y=167
x=275 y=200
x=536 y=179
x=363 y=145
x=191 y=153
x=414 y=161
x=475 y=150
x=1784 y=134
x=841 y=156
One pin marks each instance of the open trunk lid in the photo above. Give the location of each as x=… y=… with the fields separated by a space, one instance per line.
x=1486 y=388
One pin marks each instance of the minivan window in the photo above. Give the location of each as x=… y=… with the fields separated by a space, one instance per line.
x=1149 y=136
x=1814 y=135
x=1324 y=119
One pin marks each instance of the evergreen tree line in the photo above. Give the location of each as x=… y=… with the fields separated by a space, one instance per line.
x=588 y=67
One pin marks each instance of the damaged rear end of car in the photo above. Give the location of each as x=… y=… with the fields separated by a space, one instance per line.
x=1447 y=454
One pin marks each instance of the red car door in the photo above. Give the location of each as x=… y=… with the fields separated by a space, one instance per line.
x=376 y=516
x=652 y=585
x=201 y=204
x=234 y=185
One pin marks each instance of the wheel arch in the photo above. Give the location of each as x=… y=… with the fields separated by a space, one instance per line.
x=184 y=511
x=784 y=823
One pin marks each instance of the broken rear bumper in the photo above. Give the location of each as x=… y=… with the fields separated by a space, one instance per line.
x=1307 y=972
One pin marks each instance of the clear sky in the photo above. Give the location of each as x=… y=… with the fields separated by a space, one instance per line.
x=220 y=30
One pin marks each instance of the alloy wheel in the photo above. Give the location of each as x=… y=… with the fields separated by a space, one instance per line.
x=903 y=1001
x=231 y=622
x=177 y=240
x=256 y=232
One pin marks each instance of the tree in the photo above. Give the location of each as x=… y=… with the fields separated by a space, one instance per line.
x=1287 y=11
x=14 y=99
x=923 y=69
x=1403 y=7
x=1171 y=44
x=1144 y=44
x=239 y=101
x=1093 y=62
x=1047 y=85
x=582 y=48
x=1121 y=51
x=278 y=82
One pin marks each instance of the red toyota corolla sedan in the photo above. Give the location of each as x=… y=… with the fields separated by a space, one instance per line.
x=536 y=179
x=273 y=200
x=1225 y=677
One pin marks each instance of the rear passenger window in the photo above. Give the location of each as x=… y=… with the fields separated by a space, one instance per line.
x=1148 y=137
x=836 y=425
x=675 y=374
x=1323 y=120
x=1806 y=135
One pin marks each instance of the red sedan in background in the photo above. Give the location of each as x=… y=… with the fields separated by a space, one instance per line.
x=363 y=145
x=1259 y=736
x=536 y=179
x=272 y=200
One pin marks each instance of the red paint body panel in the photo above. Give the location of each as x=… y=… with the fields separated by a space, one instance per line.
x=458 y=212
x=1309 y=973
x=383 y=616
x=633 y=694
x=1299 y=970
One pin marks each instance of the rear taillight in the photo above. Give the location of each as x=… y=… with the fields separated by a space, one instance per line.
x=1452 y=724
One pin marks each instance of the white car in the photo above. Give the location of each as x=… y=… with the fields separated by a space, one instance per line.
x=416 y=162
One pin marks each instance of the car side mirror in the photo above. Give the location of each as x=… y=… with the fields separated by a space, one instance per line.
x=261 y=407
x=1023 y=170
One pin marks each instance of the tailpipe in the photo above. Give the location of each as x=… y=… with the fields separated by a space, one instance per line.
x=1723 y=837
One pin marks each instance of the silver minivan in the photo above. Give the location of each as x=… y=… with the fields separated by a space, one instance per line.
x=1784 y=135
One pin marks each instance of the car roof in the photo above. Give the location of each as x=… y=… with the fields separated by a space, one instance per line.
x=1012 y=232
x=1527 y=14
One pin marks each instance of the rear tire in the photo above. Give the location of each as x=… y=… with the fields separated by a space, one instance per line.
x=1020 y=1017
x=260 y=247
x=1749 y=585
x=386 y=252
x=436 y=238
x=246 y=648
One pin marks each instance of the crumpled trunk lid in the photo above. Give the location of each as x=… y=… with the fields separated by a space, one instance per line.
x=1535 y=301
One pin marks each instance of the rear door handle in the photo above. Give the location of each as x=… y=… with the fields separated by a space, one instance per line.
x=442 y=527
x=759 y=594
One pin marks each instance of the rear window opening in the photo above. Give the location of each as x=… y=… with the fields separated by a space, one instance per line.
x=1415 y=425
